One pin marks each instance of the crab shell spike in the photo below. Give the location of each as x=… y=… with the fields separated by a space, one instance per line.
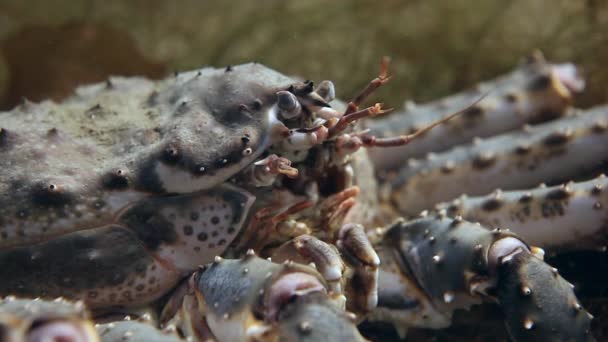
x=548 y=217
x=547 y=311
x=530 y=92
x=421 y=187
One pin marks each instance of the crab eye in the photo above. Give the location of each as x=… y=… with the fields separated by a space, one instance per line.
x=288 y=104
x=326 y=90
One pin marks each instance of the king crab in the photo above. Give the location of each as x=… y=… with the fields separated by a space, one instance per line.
x=286 y=176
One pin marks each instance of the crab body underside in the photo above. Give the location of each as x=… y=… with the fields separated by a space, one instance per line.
x=118 y=194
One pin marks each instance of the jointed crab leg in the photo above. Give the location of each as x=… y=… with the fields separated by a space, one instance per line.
x=516 y=160
x=371 y=87
x=569 y=216
x=446 y=264
x=533 y=93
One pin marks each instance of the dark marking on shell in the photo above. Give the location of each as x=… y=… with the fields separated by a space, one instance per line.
x=50 y=195
x=147 y=178
x=115 y=180
x=182 y=108
x=525 y=198
x=152 y=99
x=257 y=105
x=492 y=204
x=61 y=258
x=511 y=97
x=552 y=208
x=473 y=112
x=523 y=149
x=559 y=194
x=152 y=228
x=557 y=139
x=540 y=83
x=447 y=168
x=52 y=133
x=202 y=236
x=170 y=155
x=596 y=190
x=545 y=115
x=483 y=161
x=599 y=127
x=6 y=138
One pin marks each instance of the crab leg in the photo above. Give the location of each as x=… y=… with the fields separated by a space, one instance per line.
x=516 y=160
x=565 y=217
x=446 y=264
x=533 y=93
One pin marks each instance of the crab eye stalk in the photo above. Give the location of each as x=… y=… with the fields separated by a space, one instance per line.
x=326 y=90
x=288 y=104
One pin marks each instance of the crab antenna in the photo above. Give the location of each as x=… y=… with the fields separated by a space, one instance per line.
x=370 y=140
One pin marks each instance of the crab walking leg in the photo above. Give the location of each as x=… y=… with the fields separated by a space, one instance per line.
x=517 y=160
x=446 y=264
x=533 y=93
x=565 y=217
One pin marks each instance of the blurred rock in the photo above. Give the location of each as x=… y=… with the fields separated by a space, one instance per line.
x=45 y=62
x=437 y=47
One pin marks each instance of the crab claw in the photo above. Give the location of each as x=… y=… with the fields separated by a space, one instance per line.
x=539 y=304
x=254 y=299
x=42 y=320
x=449 y=264
x=312 y=318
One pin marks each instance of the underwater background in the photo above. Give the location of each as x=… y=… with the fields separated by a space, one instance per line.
x=436 y=47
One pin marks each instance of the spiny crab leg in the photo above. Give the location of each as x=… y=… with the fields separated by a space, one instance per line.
x=515 y=160
x=532 y=93
x=571 y=216
x=371 y=87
